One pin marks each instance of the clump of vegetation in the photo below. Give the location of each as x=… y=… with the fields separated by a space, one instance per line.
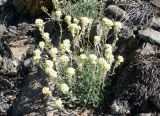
x=88 y=8
x=80 y=76
x=78 y=8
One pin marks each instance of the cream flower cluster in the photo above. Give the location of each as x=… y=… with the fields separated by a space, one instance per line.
x=108 y=48
x=39 y=22
x=81 y=60
x=119 y=60
x=46 y=91
x=85 y=21
x=37 y=55
x=58 y=103
x=68 y=19
x=70 y=72
x=51 y=72
x=45 y=36
x=97 y=40
x=65 y=46
x=49 y=63
x=41 y=45
x=64 y=59
x=117 y=26
x=58 y=15
x=74 y=28
x=53 y=52
x=107 y=24
x=93 y=58
x=83 y=57
x=64 y=88
x=75 y=20
x=108 y=54
x=49 y=69
x=104 y=64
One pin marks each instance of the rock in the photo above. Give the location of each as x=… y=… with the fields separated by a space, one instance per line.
x=31 y=7
x=150 y=35
x=2 y=2
x=137 y=85
x=19 y=47
x=31 y=101
x=155 y=23
x=10 y=66
x=144 y=114
x=155 y=100
x=4 y=106
x=13 y=30
x=116 y=11
x=9 y=88
x=147 y=48
x=27 y=63
x=120 y=107
x=3 y=29
x=156 y=3
x=126 y=32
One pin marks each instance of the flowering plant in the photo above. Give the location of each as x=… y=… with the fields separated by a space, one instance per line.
x=79 y=77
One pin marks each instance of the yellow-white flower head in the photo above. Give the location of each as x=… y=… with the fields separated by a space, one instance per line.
x=41 y=44
x=58 y=15
x=108 y=49
x=46 y=91
x=65 y=46
x=103 y=63
x=90 y=21
x=119 y=60
x=117 y=26
x=107 y=66
x=109 y=57
x=37 y=52
x=85 y=21
x=68 y=19
x=80 y=65
x=55 y=1
x=49 y=63
x=97 y=40
x=64 y=88
x=58 y=103
x=64 y=59
x=70 y=72
x=51 y=72
x=74 y=28
x=107 y=23
x=75 y=20
x=39 y=22
x=93 y=58
x=53 y=52
x=46 y=36
x=83 y=57
x=36 y=57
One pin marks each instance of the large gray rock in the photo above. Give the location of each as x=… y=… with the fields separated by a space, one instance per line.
x=137 y=85
x=116 y=11
x=32 y=7
x=155 y=23
x=147 y=48
x=30 y=102
x=150 y=36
